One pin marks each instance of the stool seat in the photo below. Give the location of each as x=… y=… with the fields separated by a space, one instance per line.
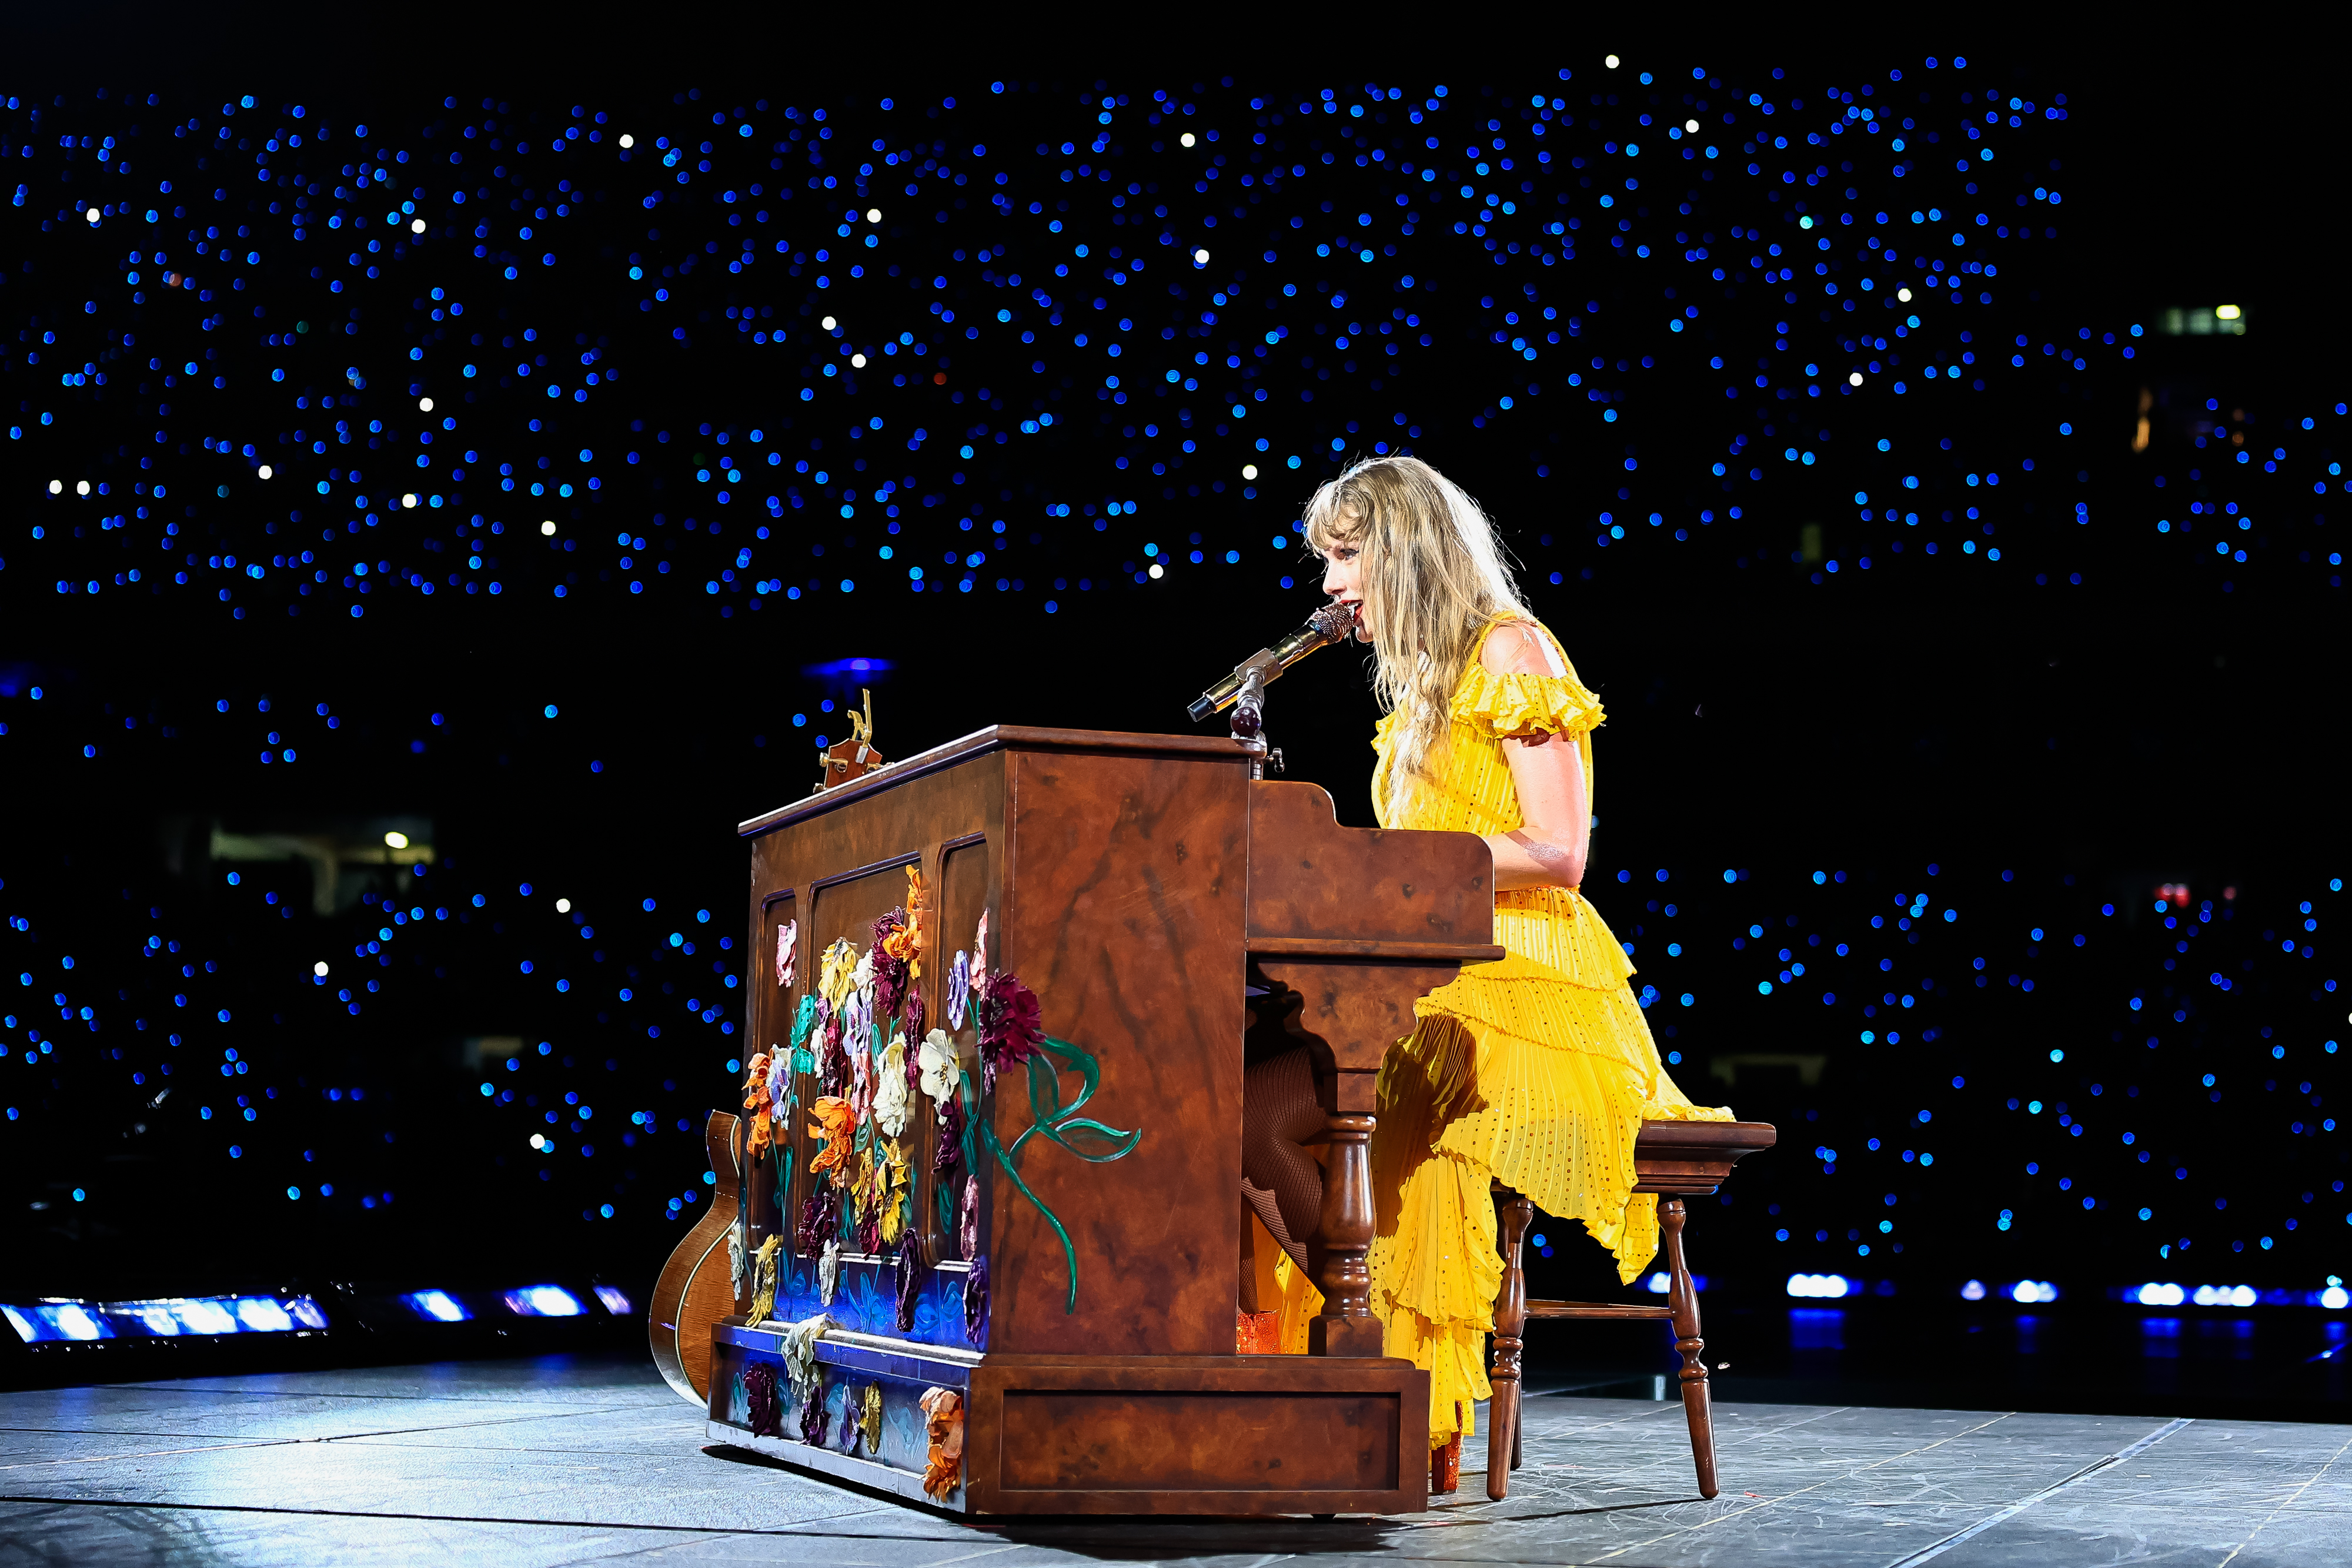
x=1674 y=1160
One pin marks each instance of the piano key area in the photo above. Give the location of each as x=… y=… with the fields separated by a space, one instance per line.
x=592 y=1460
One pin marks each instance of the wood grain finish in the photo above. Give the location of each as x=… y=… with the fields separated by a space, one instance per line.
x=1219 y=1435
x=1130 y=880
x=696 y=1287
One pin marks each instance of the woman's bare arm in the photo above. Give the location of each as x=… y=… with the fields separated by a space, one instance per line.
x=1548 y=850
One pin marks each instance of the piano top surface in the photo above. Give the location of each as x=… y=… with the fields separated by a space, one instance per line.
x=997 y=738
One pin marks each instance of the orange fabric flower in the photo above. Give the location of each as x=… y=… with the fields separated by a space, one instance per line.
x=943 y=1422
x=756 y=1100
x=835 y=1125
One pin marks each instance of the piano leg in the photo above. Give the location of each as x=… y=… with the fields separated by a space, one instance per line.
x=1347 y=1326
x=1683 y=1299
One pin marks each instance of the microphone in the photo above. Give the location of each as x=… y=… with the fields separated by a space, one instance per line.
x=1335 y=622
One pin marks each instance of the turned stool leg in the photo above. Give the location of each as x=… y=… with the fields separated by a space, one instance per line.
x=1516 y=1213
x=1685 y=1302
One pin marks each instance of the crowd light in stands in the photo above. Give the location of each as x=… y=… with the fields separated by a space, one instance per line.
x=2158 y=1295
x=2028 y=1292
x=1823 y=1287
x=1907 y=227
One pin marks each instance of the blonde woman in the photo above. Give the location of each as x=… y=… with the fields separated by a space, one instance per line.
x=1538 y=1070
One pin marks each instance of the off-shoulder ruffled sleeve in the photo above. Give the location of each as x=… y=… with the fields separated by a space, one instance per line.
x=1519 y=704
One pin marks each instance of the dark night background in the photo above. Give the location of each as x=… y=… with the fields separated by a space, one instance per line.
x=1823 y=732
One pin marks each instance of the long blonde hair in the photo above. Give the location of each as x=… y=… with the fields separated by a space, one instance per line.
x=1434 y=575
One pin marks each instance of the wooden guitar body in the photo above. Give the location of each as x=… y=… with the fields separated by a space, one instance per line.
x=696 y=1287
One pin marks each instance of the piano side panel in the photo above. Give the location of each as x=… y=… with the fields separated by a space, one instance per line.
x=1124 y=885
x=1311 y=878
x=893 y=823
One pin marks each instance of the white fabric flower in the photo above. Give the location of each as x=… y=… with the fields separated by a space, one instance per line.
x=890 y=1098
x=941 y=1070
x=861 y=979
x=828 y=1271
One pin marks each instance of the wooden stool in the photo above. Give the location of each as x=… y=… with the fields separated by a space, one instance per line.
x=1675 y=1160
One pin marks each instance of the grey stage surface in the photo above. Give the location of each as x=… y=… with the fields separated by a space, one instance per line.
x=571 y=1460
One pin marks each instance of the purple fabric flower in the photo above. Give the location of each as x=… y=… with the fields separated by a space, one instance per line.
x=949 y=1152
x=889 y=973
x=959 y=990
x=813 y=1419
x=1011 y=1024
x=869 y=1235
x=767 y=1408
x=968 y=1227
x=820 y=1217
x=913 y=1269
x=910 y=1014
x=975 y=1304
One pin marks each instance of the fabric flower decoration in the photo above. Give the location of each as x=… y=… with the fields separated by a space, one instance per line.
x=820 y=1218
x=895 y=1182
x=767 y=1407
x=857 y=1022
x=764 y=1278
x=959 y=990
x=968 y=1227
x=828 y=1271
x=979 y=954
x=780 y=1079
x=861 y=979
x=758 y=1101
x=861 y=1078
x=788 y=937
x=950 y=1150
x=975 y=1304
x=919 y=930
x=943 y=1424
x=888 y=962
x=799 y=1349
x=834 y=1125
x=910 y=1010
x=890 y=1098
x=861 y=1186
x=940 y=1068
x=869 y=1235
x=913 y=1269
x=814 y=1419
x=869 y=1419
x=1011 y=1026
x=840 y=962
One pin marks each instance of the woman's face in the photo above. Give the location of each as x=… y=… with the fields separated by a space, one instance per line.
x=1343 y=579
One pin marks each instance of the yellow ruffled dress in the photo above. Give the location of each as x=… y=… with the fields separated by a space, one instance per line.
x=1538 y=1069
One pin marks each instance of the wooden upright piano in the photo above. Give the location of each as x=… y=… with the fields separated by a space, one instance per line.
x=1083 y=1314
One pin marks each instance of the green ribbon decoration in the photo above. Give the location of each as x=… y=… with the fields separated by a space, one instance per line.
x=1061 y=1125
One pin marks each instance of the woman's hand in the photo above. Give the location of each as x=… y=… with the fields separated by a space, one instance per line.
x=1548 y=850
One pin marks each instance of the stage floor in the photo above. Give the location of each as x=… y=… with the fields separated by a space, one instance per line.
x=582 y=1460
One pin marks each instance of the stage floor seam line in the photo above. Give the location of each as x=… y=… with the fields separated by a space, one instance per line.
x=1826 y=1480
x=1937 y=1549
x=2311 y=1481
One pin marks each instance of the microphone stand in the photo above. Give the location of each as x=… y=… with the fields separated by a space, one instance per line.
x=1249 y=723
x=1244 y=689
